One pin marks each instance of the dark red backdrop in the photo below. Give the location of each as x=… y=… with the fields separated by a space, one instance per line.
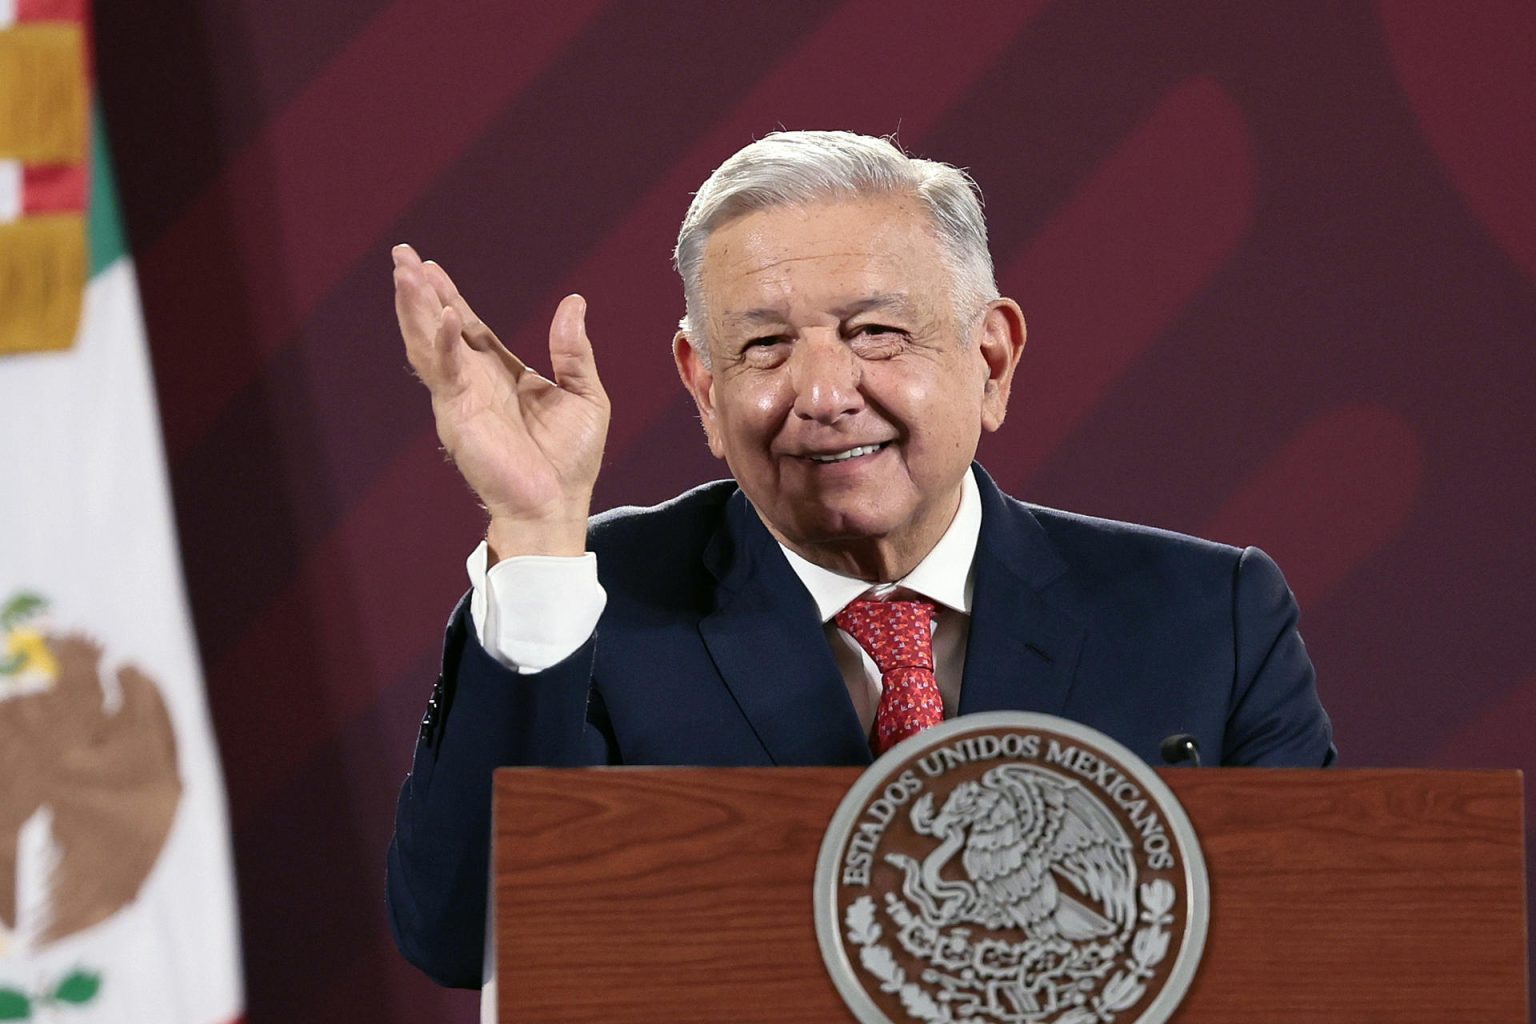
x=1279 y=264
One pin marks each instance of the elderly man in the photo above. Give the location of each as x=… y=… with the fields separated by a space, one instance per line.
x=858 y=579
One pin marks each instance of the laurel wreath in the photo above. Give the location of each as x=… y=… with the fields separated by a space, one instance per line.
x=76 y=988
x=1149 y=947
x=864 y=932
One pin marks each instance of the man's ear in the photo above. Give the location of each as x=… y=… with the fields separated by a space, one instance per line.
x=693 y=368
x=1000 y=339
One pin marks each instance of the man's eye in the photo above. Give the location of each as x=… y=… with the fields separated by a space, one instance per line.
x=877 y=341
x=764 y=351
x=757 y=347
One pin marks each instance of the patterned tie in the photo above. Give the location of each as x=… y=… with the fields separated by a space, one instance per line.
x=899 y=636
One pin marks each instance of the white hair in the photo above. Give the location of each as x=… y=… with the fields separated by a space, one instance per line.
x=797 y=168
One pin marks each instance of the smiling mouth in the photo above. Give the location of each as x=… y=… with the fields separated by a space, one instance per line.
x=851 y=453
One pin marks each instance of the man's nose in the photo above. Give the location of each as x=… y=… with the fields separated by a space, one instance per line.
x=826 y=376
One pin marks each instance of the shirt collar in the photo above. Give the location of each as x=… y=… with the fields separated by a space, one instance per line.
x=944 y=576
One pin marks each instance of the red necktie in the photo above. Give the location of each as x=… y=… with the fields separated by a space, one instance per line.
x=899 y=636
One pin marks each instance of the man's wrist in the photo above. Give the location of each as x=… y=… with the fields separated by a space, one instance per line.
x=565 y=537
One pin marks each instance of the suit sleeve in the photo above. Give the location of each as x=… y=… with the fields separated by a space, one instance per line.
x=1276 y=717
x=482 y=716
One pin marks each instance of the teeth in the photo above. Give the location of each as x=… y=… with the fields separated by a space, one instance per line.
x=851 y=453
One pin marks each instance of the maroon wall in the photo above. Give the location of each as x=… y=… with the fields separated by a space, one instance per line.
x=1279 y=264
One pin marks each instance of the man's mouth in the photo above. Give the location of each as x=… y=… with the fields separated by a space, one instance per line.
x=851 y=453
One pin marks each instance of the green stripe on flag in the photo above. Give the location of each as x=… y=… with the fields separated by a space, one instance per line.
x=104 y=228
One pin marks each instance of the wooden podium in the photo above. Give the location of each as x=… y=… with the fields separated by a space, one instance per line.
x=683 y=895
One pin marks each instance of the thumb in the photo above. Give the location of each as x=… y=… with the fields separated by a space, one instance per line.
x=570 y=350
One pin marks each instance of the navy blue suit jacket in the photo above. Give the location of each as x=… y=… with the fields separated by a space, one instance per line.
x=711 y=652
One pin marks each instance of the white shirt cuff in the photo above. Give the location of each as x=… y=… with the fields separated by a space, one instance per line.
x=533 y=611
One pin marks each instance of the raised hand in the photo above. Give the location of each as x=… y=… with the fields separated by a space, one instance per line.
x=529 y=447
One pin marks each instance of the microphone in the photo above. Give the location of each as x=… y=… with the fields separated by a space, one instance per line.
x=1181 y=747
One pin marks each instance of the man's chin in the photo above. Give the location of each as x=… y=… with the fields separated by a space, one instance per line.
x=856 y=533
x=836 y=532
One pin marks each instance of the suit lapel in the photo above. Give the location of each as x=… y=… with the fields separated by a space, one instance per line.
x=1027 y=626
x=767 y=641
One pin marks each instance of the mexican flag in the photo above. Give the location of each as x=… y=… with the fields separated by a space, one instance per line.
x=116 y=895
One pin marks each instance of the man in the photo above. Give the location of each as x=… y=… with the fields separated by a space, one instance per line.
x=846 y=347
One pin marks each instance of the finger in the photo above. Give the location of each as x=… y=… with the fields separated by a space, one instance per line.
x=447 y=292
x=570 y=350
x=410 y=285
x=403 y=253
x=453 y=334
x=476 y=334
x=447 y=339
x=482 y=339
x=424 y=294
x=417 y=309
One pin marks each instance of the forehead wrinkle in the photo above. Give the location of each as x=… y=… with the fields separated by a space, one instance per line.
x=775 y=262
x=756 y=317
x=893 y=301
x=896 y=302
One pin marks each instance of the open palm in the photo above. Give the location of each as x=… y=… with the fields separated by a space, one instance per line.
x=529 y=447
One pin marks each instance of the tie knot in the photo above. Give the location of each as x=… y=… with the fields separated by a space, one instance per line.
x=897 y=634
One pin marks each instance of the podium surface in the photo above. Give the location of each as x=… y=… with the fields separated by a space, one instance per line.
x=683 y=895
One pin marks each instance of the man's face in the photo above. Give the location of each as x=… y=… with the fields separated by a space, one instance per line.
x=841 y=391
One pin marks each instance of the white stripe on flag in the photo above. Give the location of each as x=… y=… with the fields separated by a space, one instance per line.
x=10 y=188
x=7 y=13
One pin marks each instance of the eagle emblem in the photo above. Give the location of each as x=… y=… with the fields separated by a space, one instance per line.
x=1039 y=854
x=1010 y=868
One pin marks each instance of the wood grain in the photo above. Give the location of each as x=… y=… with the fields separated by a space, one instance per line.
x=682 y=895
